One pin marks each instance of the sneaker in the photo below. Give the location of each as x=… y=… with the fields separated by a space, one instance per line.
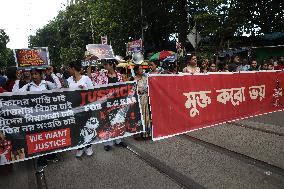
x=89 y=151
x=79 y=153
x=107 y=148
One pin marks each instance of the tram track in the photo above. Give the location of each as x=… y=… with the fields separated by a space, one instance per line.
x=179 y=178
x=255 y=128
x=236 y=155
x=40 y=177
x=184 y=180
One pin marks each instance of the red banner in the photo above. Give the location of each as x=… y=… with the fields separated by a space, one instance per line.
x=185 y=103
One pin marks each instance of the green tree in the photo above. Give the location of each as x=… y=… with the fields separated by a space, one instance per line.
x=218 y=21
x=6 y=55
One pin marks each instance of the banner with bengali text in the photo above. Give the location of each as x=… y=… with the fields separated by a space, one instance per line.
x=32 y=58
x=184 y=103
x=36 y=123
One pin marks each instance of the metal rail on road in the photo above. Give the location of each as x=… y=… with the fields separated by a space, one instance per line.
x=236 y=155
x=177 y=177
x=254 y=128
x=40 y=177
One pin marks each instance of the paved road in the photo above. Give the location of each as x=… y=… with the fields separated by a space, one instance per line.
x=243 y=154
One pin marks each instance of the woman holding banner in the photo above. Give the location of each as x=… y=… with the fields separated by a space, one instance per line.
x=107 y=76
x=79 y=81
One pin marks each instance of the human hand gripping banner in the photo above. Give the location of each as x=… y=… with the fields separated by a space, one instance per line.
x=180 y=104
x=36 y=123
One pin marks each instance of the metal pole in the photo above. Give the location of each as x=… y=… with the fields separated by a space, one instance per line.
x=93 y=39
x=195 y=38
x=142 y=29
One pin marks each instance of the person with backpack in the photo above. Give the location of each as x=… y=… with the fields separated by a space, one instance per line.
x=39 y=84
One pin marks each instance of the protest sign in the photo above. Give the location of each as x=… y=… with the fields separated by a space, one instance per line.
x=32 y=58
x=36 y=123
x=100 y=51
x=134 y=46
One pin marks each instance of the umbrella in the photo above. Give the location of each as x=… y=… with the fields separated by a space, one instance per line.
x=161 y=55
x=171 y=58
x=125 y=64
x=122 y=65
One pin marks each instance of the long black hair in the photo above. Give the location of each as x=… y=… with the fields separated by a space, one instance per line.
x=76 y=64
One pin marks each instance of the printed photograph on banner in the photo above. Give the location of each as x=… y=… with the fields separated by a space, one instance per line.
x=100 y=51
x=38 y=123
x=32 y=58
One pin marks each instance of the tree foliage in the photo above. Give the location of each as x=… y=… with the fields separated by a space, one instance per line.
x=6 y=54
x=121 y=20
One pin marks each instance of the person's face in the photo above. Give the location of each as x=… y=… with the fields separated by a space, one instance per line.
x=204 y=64
x=71 y=71
x=152 y=66
x=27 y=74
x=213 y=68
x=140 y=70
x=265 y=66
x=193 y=61
x=35 y=75
x=107 y=66
x=270 y=67
x=253 y=64
x=49 y=70
x=237 y=59
x=19 y=73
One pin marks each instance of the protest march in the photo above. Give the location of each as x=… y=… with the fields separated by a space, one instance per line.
x=44 y=116
x=178 y=85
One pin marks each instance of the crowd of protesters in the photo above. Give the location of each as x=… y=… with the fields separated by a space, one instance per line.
x=232 y=64
x=74 y=76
